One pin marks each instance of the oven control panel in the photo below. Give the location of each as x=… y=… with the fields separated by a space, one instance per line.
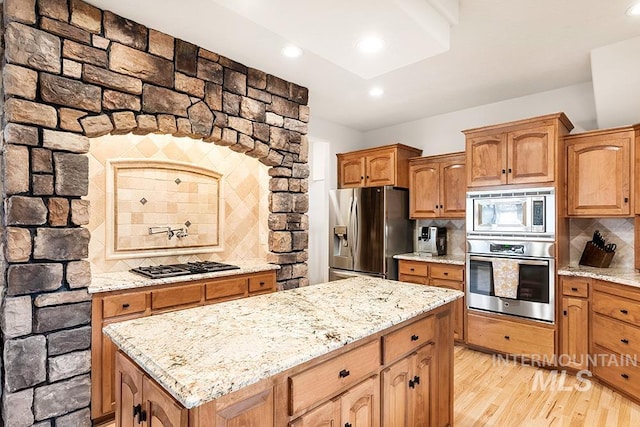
x=502 y=248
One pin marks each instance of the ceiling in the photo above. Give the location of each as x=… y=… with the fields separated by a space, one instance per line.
x=498 y=49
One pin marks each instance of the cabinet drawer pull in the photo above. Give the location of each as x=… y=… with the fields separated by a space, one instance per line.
x=574 y=289
x=507 y=337
x=412 y=269
x=344 y=373
x=623 y=311
x=262 y=283
x=415 y=337
x=626 y=200
x=446 y=273
x=625 y=376
x=125 y=305
x=624 y=341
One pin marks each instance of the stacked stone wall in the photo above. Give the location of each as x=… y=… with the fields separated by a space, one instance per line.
x=71 y=72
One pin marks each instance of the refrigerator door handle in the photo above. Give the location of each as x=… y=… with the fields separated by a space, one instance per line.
x=353 y=218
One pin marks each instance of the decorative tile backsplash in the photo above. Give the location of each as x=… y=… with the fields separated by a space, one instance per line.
x=179 y=196
x=456 y=233
x=162 y=205
x=614 y=230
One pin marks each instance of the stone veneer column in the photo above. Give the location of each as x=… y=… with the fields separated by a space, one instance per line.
x=71 y=72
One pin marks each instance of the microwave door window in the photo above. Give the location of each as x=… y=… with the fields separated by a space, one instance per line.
x=534 y=283
x=510 y=214
x=487 y=213
x=481 y=280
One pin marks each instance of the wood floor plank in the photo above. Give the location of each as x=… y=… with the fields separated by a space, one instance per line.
x=495 y=393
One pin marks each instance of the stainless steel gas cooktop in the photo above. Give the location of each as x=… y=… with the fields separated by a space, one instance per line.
x=162 y=271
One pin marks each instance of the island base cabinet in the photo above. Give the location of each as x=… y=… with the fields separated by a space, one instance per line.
x=407 y=391
x=141 y=402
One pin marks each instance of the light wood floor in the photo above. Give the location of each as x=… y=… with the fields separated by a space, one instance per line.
x=502 y=396
x=489 y=395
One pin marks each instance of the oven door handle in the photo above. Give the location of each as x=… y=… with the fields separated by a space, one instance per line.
x=520 y=260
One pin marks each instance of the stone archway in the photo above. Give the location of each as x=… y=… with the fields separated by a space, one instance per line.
x=73 y=72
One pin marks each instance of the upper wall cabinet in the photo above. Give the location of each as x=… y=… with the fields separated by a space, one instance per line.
x=388 y=165
x=600 y=172
x=522 y=152
x=437 y=186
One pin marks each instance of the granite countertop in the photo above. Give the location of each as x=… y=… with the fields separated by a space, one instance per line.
x=442 y=259
x=117 y=281
x=623 y=276
x=217 y=349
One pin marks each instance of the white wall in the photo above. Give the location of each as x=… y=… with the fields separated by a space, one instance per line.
x=326 y=139
x=616 y=83
x=442 y=134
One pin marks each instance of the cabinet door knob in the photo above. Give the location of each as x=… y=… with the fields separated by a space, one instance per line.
x=440 y=206
x=624 y=341
x=136 y=410
x=361 y=178
x=416 y=379
x=414 y=338
x=626 y=200
x=348 y=425
x=564 y=312
x=623 y=311
x=504 y=171
x=510 y=170
x=125 y=305
x=344 y=373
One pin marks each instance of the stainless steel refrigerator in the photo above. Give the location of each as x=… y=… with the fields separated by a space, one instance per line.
x=367 y=227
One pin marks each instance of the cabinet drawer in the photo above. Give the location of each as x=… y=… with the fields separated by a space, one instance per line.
x=510 y=337
x=615 y=335
x=328 y=378
x=413 y=268
x=447 y=272
x=449 y=284
x=408 y=338
x=262 y=283
x=618 y=371
x=118 y=305
x=419 y=280
x=617 y=307
x=173 y=297
x=226 y=289
x=575 y=288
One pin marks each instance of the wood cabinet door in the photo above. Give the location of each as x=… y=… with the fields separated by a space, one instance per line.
x=423 y=388
x=598 y=175
x=574 y=343
x=486 y=160
x=128 y=391
x=424 y=181
x=396 y=405
x=453 y=188
x=351 y=171
x=381 y=168
x=531 y=155
x=255 y=409
x=360 y=405
x=108 y=382
x=327 y=415
x=161 y=409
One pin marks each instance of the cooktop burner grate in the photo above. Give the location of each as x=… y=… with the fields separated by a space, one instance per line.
x=162 y=271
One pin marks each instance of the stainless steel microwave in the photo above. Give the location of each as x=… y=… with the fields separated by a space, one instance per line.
x=525 y=211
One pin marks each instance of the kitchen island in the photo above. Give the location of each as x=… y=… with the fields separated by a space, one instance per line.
x=359 y=351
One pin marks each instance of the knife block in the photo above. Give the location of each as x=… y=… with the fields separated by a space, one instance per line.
x=595 y=256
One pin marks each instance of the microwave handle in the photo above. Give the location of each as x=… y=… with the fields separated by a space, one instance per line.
x=520 y=261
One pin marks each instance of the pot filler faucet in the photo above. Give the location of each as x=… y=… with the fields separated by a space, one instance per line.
x=178 y=232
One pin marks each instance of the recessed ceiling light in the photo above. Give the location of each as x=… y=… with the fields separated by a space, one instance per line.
x=376 y=92
x=634 y=10
x=291 y=51
x=370 y=44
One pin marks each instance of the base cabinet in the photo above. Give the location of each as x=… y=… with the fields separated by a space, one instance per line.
x=113 y=307
x=574 y=322
x=141 y=402
x=407 y=389
x=409 y=385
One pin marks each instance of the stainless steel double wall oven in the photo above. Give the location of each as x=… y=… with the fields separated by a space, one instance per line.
x=515 y=228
